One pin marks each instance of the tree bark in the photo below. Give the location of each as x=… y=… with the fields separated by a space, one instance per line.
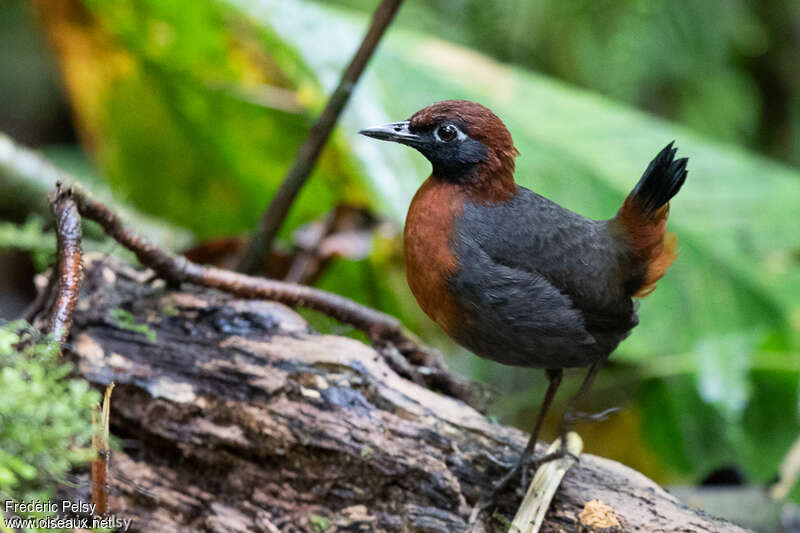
x=235 y=416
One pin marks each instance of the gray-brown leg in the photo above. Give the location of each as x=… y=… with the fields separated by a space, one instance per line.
x=571 y=416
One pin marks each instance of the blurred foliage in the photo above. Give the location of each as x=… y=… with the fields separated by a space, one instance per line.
x=45 y=418
x=40 y=242
x=193 y=111
x=29 y=237
x=155 y=100
x=32 y=106
x=726 y=68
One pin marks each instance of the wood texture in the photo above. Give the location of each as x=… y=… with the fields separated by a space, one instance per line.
x=240 y=418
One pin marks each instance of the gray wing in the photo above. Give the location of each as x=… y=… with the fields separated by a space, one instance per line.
x=517 y=317
x=578 y=256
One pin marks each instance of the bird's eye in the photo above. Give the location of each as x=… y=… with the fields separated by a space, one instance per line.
x=447 y=133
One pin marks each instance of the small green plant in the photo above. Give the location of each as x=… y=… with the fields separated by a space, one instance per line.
x=367 y=451
x=319 y=523
x=45 y=417
x=124 y=320
x=503 y=521
x=30 y=237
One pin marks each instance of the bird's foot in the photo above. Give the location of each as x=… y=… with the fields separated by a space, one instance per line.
x=521 y=468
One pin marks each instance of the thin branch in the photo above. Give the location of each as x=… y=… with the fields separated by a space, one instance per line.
x=306 y=157
x=70 y=270
x=377 y=325
x=308 y=255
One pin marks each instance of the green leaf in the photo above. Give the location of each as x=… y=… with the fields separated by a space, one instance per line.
x=8 y=338
x=687 y=433
x=7 y=478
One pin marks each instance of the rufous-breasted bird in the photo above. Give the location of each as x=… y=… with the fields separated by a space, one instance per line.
x=513 y=276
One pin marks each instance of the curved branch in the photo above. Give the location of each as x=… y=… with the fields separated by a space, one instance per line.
x=70 y=270
x=378 y=326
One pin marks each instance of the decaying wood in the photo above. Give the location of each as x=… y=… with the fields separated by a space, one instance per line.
x=236 y=417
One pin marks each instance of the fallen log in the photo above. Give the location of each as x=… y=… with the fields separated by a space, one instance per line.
x=235 y=416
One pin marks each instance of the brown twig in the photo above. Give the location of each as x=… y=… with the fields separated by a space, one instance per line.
x=70 y=270
x=306 y=157
x=377 y=325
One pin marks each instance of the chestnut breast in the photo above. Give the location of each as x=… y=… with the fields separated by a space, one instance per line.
x=429 y=258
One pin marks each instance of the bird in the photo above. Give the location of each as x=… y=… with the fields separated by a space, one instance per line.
x=515 y=277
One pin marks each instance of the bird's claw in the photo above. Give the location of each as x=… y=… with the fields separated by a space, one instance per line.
x=522 y=467
x=506 y=479
x=497 y=462
x=571 y=455
x=577 y=416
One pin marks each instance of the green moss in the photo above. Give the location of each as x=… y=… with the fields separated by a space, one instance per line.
x=45 y=417
x=367 y=451
x=319 y=523
x=124 y=320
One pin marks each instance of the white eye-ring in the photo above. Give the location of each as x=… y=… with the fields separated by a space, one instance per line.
x=448 y=132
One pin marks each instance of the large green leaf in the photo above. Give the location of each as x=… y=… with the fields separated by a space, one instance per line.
x=189 y=117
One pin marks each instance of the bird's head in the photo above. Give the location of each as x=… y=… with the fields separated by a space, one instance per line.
x=465 y=142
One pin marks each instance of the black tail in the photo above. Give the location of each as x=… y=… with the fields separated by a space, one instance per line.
x=661 y=181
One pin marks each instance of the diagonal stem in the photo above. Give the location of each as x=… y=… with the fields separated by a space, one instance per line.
x=306 y=157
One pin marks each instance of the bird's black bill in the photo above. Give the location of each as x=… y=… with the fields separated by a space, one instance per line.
x=396 y=132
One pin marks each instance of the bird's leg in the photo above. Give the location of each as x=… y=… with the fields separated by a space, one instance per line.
x=554 y=376
x=563 y=427
x=570 y=417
